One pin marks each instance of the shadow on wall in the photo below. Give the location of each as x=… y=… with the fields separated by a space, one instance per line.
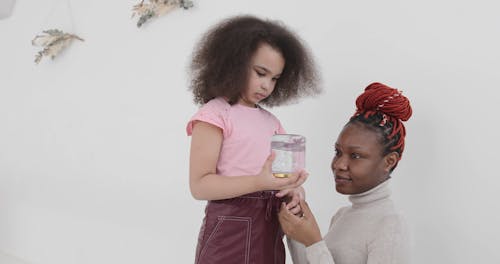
x=6 y=7
x=8 y=259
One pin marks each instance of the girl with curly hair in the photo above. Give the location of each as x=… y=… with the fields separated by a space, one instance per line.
x=240 y=65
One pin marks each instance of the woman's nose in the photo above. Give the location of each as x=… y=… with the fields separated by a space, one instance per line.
x=339 y=163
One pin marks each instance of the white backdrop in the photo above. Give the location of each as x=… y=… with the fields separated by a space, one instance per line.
x=94 y=154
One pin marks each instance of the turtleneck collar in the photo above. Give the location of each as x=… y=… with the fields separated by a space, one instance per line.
x=378 y=192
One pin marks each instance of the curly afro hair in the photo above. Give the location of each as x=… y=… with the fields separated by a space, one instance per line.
x=221 y=60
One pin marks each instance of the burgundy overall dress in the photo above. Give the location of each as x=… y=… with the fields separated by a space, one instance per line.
x=242 y=230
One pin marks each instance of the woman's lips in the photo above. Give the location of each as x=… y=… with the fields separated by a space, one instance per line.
x=340 y=179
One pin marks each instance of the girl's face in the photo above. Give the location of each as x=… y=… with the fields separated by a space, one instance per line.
x=358 y=165
x=266 y=66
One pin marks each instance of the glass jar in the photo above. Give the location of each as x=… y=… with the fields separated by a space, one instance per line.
x=290 y=152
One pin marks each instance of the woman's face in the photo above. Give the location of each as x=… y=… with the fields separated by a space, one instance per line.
x=266 y=66
x=358 y=165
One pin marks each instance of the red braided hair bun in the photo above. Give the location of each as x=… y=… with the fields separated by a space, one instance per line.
x=386 y=107
x=387 y=100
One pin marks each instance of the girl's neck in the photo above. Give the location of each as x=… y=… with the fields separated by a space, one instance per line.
x=245 y=103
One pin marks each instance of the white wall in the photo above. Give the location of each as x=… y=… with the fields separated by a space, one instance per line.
x=94 y=156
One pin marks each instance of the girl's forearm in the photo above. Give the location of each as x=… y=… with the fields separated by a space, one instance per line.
x=216 y=187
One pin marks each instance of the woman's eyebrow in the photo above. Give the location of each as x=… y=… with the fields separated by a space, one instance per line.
x=349 y=146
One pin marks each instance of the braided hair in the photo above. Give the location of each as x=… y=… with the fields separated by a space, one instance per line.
x=383 y=110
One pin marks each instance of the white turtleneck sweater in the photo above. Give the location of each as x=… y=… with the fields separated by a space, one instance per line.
x=367 y=232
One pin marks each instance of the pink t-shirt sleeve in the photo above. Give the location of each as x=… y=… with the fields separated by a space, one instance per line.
x=215 y=113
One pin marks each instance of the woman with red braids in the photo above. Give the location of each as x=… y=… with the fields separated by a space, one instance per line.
x=366 y=152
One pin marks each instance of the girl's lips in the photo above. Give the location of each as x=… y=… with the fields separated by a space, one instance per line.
x=260 y=96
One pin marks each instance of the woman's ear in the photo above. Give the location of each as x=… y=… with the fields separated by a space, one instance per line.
x=391 y=160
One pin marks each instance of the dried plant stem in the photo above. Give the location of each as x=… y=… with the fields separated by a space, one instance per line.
x=53 y=42
x=156 y=8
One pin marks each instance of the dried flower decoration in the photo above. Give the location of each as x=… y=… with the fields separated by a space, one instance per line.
x=53 y=42
x=156 y=8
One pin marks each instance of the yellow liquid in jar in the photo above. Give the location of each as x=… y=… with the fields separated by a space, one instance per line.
x=282 y=175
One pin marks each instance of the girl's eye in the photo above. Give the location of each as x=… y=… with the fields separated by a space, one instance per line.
x=260 y=73
x=355 y=156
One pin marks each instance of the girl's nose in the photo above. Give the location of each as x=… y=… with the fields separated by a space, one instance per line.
x=266 y=84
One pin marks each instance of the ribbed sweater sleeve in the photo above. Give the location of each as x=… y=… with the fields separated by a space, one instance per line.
x=316 y=253
x=297 y=251
x=319 y=253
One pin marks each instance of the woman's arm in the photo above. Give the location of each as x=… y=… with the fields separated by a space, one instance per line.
x=304 y=228
x=304 y=236
x=297 y=251
x=205 y=184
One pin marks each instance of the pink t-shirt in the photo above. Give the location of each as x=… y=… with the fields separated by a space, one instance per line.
x=246 y=131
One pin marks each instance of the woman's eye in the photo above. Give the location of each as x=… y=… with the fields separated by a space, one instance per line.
x=337 y=153
x=355 y=156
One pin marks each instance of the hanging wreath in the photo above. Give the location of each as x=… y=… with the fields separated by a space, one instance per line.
x=53 y=42
x=156 y=8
